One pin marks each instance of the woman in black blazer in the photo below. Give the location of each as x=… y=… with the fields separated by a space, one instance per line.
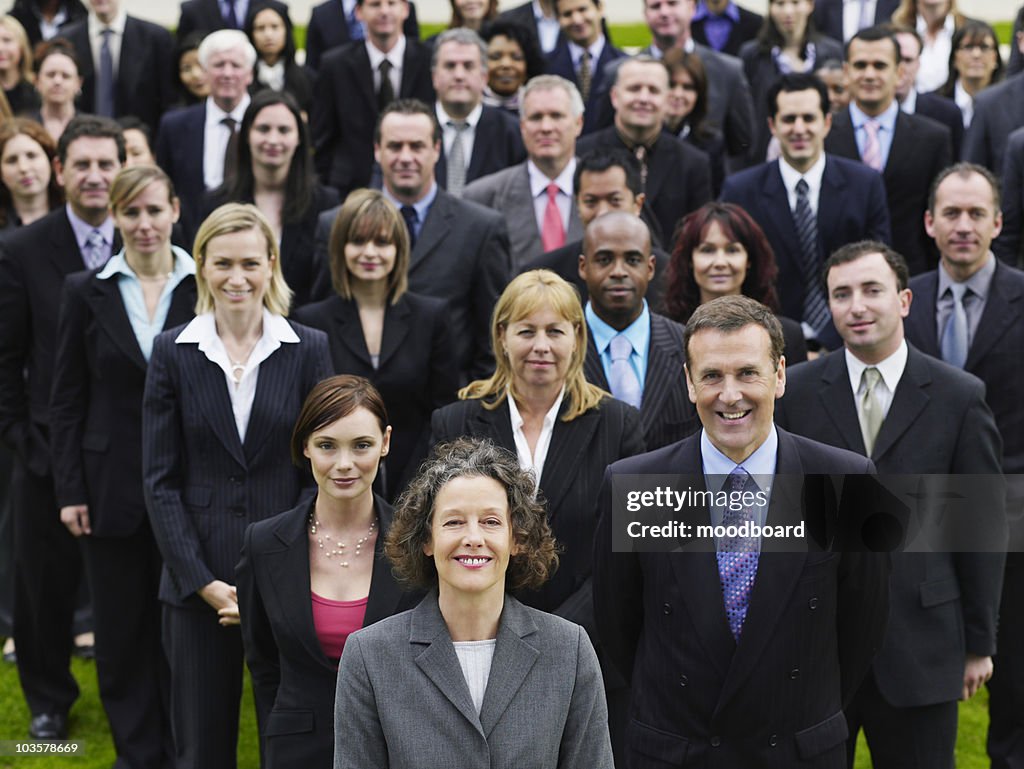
x=310 y=576
x=377 y=329
x=103 y=348
x=788 y=42
x=271 y=33
x=570 y=429
x=721 y=251
x=273 y=169
x=221 y=397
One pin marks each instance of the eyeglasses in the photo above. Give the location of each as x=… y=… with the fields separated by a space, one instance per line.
x=977 y=47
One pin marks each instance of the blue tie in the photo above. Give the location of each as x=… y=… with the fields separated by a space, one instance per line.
x=355 y=27
x=105 y=84
x=737 y=556
x=954 y=335
x=624 y=383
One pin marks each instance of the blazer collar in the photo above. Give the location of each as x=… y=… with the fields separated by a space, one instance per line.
x=515 y=654
x=438 y=225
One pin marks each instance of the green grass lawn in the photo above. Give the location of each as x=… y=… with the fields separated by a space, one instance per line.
x=89 y=724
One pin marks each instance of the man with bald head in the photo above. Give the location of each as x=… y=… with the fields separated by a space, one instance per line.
x=632 y=352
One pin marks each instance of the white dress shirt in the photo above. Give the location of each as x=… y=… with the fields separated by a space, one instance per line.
x=533 y=462
x=539 y=190
x=215 y=139
x=468 y=135
x=96 y=28
x=964 y=101
x=852 y=16
x=891 y=370
x=935 y=55
x=203 y=331
x=790 y=177
x=547 y=28
x=395 y=56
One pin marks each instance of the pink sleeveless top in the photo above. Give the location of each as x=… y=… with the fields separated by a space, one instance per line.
x=334 y=621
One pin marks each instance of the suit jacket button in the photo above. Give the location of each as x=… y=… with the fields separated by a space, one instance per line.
x=666 y=608
x=683 y=680
x=773 y=740
x=794 y=673
x=812 y=604
x=716 y=741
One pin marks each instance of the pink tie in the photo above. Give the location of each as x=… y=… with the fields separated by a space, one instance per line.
x=872 y=147
x=552 y=234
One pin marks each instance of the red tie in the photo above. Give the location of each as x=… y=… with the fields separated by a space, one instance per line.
x=552 y=235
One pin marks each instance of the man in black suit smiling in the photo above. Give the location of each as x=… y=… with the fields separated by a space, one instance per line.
x=33 y=263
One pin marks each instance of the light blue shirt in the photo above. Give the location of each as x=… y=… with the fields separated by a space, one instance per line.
x=83 y=229
x=421 y=206
x=760 y=465
x=638 y=333
x=134 y=301
x=886 y=128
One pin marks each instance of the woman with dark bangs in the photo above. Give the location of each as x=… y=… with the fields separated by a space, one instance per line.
x=272 y=35
x=974 y=64
x=687 y=109
x=721 y=251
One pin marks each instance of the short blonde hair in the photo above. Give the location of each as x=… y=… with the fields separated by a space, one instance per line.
x=25 y=65
x=240 y=217
x=529 y=292
x=366 y=214
x=130 y=182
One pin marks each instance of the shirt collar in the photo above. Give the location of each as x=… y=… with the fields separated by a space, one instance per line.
x=549 y=418
x=596 y=49
x=396 y=55
x=203 y=329
x=948 y=26
x=602 y=334
x=421 y=206
x=760 y=465
x=214 y=114
x=886 y=121
x=471 y=119
x=116 y=26
x=539 y=180
x=82 y=228
x=731 y=12
x=909 y=105
x=790 y=176
x=963 y=99
x=979 y=282
x=891 y=368
x=538 y=11
x=117 y=265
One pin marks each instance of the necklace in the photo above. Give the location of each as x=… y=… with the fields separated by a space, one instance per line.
x=238 y=366
x=337 y=548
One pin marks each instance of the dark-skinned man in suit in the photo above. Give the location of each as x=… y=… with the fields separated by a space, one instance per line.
x=982 y=332
x=883 y=398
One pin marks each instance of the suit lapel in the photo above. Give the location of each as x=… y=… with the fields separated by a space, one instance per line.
x=593 y=369
x=517 y=654
x=348 y=330
x=496 y=425
x=385 y=593
x=127 y=66
x=183 y=303
x=830 y=200
x=520 y=215
x=902 y=147
x=908 y=401
x=484 y=145
x=211 y=395
x=664 y=362
x=396 y=329
x=1002 y=310
x=65 y=256
x=438 y=660
x=363 y=76
x=276 y=374
x=838 y=401
x=920 y=324
x=104 y=298
x=436 y=227
x=780 y=217
x=841 y=140
x=569 y=444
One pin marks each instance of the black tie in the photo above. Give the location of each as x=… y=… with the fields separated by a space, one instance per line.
x=386 y=94
x=411 y=219
x=231 y=150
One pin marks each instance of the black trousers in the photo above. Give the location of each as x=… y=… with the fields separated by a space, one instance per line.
x=47 y=576
x=124 y=573
x=206 y=663
x=1006 y=689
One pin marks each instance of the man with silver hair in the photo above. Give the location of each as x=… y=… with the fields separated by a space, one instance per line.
x=194 y=142
x=536 y=196
x=477 y=140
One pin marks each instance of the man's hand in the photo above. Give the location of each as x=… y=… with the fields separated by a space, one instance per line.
x=977 y=670
x=76 y=518
x=224 y=599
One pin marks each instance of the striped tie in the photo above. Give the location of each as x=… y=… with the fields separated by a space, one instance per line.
x=816 y=313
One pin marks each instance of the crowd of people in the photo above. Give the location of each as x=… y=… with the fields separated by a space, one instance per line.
x=333 y=365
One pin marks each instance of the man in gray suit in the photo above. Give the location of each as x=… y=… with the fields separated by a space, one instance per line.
x=617 y=264
x=910 y=413
x=536 y=197
x=460 y=250
x=730 y=105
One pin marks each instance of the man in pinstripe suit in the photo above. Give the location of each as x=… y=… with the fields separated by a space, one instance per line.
x=617 y=265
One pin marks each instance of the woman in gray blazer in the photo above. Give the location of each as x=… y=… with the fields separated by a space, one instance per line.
x=471 y=677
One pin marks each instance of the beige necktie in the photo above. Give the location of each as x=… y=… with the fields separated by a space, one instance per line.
x=585 y=75
x=871 y=416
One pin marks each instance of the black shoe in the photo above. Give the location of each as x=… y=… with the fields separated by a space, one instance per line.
x=48 y=726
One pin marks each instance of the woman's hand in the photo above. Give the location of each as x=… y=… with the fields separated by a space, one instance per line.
x=224 y=600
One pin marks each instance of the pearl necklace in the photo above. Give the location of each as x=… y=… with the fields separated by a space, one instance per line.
x=338 y=548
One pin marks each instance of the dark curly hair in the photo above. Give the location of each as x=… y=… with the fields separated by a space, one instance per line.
x=682 y=296
x=537 y=558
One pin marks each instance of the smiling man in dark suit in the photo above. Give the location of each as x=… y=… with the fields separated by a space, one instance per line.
x=842 y=201
x=617 y=265
x=125 y=63
x=970 y=312
x=909 y=151
x=737 y=657
x=334 y=23
x=477 y=140
x=882 y=398
x=354 y=85
x=33 y=263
